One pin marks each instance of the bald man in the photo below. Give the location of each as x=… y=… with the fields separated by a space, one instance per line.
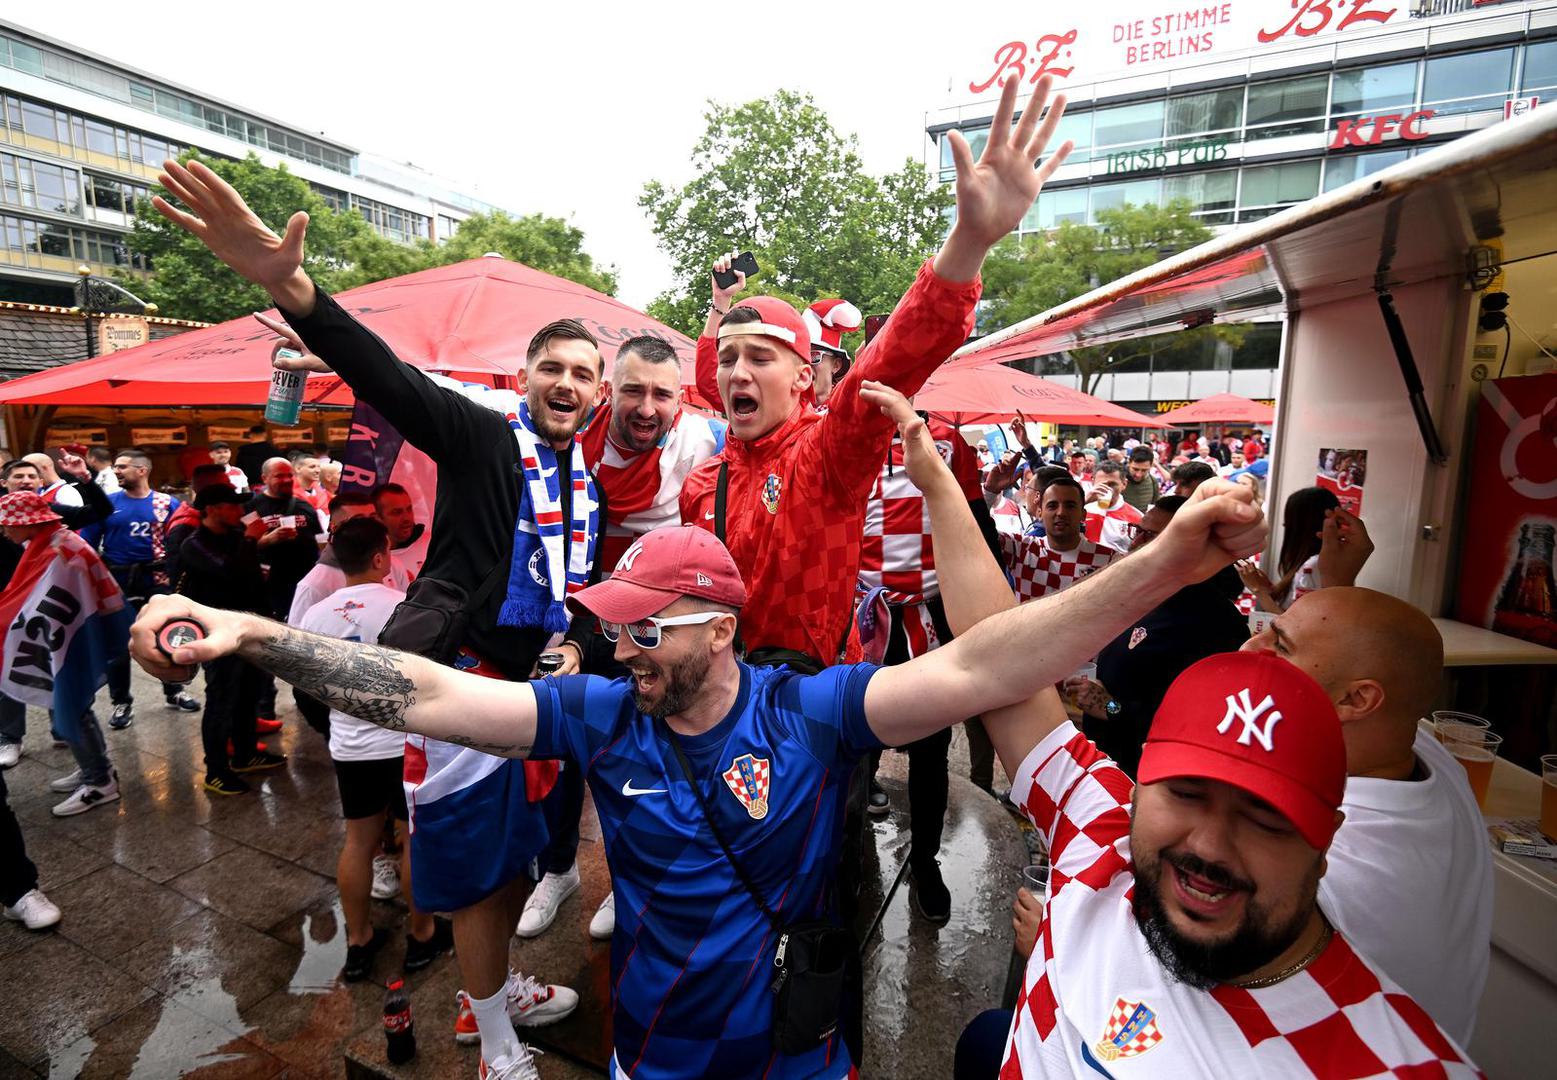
x=51 y=485
x=1409 y=880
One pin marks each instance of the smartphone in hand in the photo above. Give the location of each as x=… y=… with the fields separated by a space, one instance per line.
x=745 y=262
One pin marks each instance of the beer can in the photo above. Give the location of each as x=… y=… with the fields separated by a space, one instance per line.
x=285 y=402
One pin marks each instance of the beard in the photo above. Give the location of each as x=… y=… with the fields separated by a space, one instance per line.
x=545 y=426
x=681 y=683
x=1203 y=965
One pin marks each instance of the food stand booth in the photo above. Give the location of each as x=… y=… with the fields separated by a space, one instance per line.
x=1419 y=306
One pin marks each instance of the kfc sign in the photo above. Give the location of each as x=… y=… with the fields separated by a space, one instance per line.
x=1372 y=130
x=1134 y=36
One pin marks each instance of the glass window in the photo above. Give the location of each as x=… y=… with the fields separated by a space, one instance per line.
x=26 y=58
x=1128 y=124
x=1212 y=194
x=54 y=241
x=1054 y=208
x=1077 y=127
x=38 y=120
x=1285 y=107
x=1540 y=66
x=1364 y=90
x=99 y=137
x=1260 y=348
x=1133 y=192
x=57 y=188
x=1344 y=168
x=1468 y=82
x=1280 y=185
x=1196 y=114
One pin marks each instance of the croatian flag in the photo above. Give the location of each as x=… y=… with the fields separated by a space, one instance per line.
x=65 y=618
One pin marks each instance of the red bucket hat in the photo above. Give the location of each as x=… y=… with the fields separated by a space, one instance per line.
x=26 y=508
x=660 y=566
x=1254 y=721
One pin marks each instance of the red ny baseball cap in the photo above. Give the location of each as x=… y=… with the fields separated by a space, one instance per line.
x=661 y=565
x=779 y=321
x=1254 y=721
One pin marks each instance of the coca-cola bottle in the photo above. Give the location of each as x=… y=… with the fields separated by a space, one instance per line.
x=398 y=1030
x=1527 y=604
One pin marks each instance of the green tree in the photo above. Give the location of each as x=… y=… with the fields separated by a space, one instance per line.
x=1027 y=276
x=188 y=282
x=543 y=243
x=775 y=178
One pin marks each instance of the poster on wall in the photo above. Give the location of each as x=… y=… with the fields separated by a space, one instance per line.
x=237 y=434
x=293 y=437
x=1510 y=522
x=1343 y=472
x=71 y=434
x=159 y=436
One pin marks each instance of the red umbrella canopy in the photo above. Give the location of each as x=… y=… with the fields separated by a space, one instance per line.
x=470 y=320
x=1220 y=409
x=995 y=393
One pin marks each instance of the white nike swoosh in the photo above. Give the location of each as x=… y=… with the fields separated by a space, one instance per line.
x=708 y=516
x=628 y=789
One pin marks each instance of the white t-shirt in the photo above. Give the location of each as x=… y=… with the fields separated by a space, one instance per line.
x=237 y=478
x=356 y=613
x=1410 y=883
x=1305 y=581
x=325 y=579
x=106 y=480
x=1095 y=1001
x=62 y=492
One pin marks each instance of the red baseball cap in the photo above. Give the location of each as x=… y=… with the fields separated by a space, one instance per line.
x=661 y=565
x=779 y=321
x=1254 y=721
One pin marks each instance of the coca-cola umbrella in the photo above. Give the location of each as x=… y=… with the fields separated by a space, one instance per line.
x=1220 y=409
x=995 y=394
x=471 y=320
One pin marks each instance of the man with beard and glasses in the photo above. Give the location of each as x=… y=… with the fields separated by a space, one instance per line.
x=698 y=752
x=514 y=531
x=1182 y=925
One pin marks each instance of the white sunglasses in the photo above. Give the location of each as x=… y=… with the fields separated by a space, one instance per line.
x=646 y=633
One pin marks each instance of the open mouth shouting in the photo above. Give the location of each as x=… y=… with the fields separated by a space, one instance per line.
x=1205 y=898
x=743 y=406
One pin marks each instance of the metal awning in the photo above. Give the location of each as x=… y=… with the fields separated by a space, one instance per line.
x=1412 y=222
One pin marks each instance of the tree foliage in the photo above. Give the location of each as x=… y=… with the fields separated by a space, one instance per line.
x=775 y=178
x=1027 y=276
x=343 y=251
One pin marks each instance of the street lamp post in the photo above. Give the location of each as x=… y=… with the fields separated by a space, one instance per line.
x=99 y=296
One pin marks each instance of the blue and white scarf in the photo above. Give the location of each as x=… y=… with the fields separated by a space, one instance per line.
x=536 y=589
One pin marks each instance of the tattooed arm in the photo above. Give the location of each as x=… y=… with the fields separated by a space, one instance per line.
x=395 y=690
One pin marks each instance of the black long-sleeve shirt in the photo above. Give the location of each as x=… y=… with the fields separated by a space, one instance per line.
x=480 y=475
x=222 y=570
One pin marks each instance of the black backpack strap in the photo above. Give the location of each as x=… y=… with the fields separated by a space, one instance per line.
x=708 y=815
x=720 y=491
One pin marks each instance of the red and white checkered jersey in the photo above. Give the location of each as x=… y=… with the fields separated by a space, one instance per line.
x=1096 y=1002
x=1111 y=527
x=897 y=552
x=1037 y=569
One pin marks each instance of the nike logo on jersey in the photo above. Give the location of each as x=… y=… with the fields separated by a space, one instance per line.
x=628 y=789
x=708 y=515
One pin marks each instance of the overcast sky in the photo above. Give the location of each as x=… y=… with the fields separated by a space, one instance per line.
x=564 y=108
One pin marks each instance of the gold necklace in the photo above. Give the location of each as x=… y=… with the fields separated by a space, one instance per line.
x=1288 y=972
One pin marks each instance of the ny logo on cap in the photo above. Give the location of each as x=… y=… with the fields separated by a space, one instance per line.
x=1239 y=707
x=625 y=563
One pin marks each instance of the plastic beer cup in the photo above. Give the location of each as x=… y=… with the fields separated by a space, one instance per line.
x=1549 y=795
x=1475 y=749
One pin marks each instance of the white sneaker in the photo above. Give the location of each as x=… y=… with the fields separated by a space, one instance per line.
x=10 y=754
x=34 y=910
x=519 y=1067
x=87 y=796
x=69 y=782
x=386 y=877
x=540 y=911
x=603 y=925
x=534 y=1004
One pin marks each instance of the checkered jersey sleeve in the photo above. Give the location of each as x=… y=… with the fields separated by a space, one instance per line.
x=1079 y=801
x=826 y=712
x=575 y=715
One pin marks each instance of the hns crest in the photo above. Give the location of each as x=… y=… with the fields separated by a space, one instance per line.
x=771 y=489
x=1132 y=1030
x=747 y=778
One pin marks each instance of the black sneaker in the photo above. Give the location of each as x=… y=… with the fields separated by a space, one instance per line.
x=931 y=896
x=225 y=784
x=183 y=701
x=359 y=958
x=418 y=954
x=877 y=804
x=263 y=759
x=123 y=716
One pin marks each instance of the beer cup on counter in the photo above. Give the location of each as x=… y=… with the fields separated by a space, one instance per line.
x=1549 y=795
x=1475 y=749
x=1446 y=719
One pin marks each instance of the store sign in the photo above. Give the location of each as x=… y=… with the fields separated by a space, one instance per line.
x=1189 y=152
x=1372 y=130
x=1160 y=407
x=227 y=433
x=121 y=332
x=1519 y=106
x=293 y=437
x=71 y=434
x=337 y=434
x=159 y=436
x=1139 y=36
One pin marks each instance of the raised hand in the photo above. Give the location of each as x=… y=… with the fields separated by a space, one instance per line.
x=1218 y=525
x=307 y=362
x=921 y=460
x=724 y=297
x=1003 y=473
x=1019 y=430
x=220 y=219
x=72 y=465
x=1344 y=546
x=994 y=192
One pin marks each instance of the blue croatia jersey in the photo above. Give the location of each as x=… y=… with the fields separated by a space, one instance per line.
x=692 y=957
x=127 y=535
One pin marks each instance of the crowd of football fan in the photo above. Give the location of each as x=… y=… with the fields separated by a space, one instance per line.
x=846 y=557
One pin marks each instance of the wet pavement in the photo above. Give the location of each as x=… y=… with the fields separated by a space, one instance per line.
x=202 y=936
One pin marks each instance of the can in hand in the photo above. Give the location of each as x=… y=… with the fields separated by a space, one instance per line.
x=548 y=664
x=177 y=632
x=285 y=402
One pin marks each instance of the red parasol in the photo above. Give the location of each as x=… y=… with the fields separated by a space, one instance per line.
x=471 y=320
x=995 y=394
x=1220 y=409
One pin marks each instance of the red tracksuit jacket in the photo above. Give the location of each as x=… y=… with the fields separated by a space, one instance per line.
x=795 y=503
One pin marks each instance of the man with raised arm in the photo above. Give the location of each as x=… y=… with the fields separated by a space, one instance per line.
x=767 y=751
